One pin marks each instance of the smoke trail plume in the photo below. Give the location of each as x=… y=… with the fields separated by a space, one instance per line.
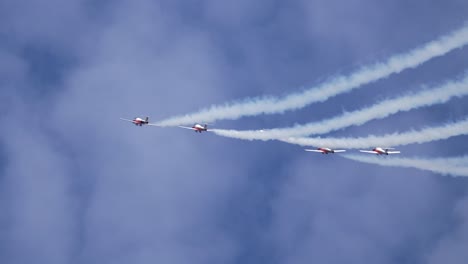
x=381 y=110
x=396 y=139
x=443 y=166
x=269 y=105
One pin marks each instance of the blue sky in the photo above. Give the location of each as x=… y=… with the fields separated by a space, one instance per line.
x=77 y=185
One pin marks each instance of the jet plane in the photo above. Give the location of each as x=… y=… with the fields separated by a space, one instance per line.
x=326 y=150
x=381 y=151
x=197 y=127
x=139 y=121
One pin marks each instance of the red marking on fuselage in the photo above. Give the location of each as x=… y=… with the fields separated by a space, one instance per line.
x=379 y=152
x=325 y=151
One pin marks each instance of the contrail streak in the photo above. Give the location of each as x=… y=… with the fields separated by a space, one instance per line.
x=443 y=166
x=381 y=110
x=396 y=139
x=271 y=105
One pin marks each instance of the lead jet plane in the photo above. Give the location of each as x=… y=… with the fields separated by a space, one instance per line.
x=139 y=121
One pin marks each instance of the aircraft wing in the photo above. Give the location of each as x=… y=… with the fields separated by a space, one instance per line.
x=313 y=150
x=191 y=128
x=393 y=152
x=126 y=120
x=339 y=150
x=368 y=151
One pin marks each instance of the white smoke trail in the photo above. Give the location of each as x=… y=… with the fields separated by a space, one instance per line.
x=457 y=161
x=443 y=166
x=381 y=110
x=268 y=105
x=395 y=139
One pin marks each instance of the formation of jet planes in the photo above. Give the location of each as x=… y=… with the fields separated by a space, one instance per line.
x=381 y=151
x=377 y=151
x=197 y=128
x=326 y=150
x=138 y=121
x=203 y=128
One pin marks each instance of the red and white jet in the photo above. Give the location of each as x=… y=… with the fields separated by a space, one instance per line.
x=381 y=151
x=197 y=128
x=139 y=121
x=326 y=150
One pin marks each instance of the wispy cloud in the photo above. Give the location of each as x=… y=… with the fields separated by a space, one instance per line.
x=271 y=105
x=396 y=139
x=438 y=95
x=457 y=166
